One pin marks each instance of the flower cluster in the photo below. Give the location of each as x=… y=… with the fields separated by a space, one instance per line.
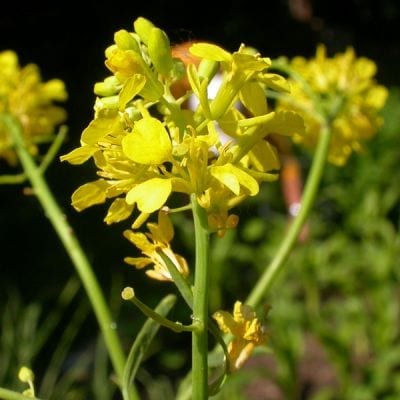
x=247 y=331
x=341 y=90
x=24 y=96
x=146 y=145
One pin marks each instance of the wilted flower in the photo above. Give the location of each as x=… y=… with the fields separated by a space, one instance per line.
x=247 y=331
x=24 y=96
x=151 y=244
x=342 y=90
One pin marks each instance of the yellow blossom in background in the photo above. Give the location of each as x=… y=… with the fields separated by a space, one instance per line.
x=24 y=96
x=151 y=244
x=147 y=145
x=247 y=332
x=343 y=91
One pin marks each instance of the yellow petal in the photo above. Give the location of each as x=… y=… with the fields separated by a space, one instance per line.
x=89 y=194
x=234 y=177
x=253 y=98
x=79 y=155
x=225 y=321
x=150 y=195
x=131 y=88
x=166 y=226
x=138 y=262
x=97 y=129
x=275 y=82
x=376 y=97
x=210 y=52
x=140 y=240
x=264 y=157
x=118 y=211
x=148 y=143
x=225 y=175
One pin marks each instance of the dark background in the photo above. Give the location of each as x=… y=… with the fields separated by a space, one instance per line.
x=67 y=41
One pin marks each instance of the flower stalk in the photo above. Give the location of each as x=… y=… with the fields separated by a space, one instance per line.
x=308 y=198
x=7 y=394
x=200 y=304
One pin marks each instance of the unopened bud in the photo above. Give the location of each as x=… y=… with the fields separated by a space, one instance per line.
x=208 y=68
x=26 y=375
x=160 y=51
x=109 y=87
x=143 y=28
x=128 y=293
x=126 y=41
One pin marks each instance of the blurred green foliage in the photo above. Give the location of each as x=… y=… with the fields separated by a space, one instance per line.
x=339 y=294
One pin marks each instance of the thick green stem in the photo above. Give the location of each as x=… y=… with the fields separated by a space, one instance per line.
x=72 y=246
x=289 y=241
x=200 y=305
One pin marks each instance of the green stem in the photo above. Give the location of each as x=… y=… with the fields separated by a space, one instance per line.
x=6 y=394
x=200 y=304
x=310 y=190
x=180 y=282
x=160 y=319
x=141 y=344
x=72 y=246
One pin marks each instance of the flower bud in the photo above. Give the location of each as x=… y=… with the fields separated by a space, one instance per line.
x=143 y=28
x=160 y=51
x=109 y=87
x=128 y=293
x=26 y=375
x=125 y=41
x=208 y=68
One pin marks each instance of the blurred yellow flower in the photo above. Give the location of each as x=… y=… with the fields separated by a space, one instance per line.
x=342 y=90
x=247 y=331
x=24 y=96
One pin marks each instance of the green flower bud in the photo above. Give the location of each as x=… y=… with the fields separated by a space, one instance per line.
x=208 y=68
x=26 y=375
x=125 y=41
x=109 y=102
x=143 y=27
x=159 y=50
x=109 y=87
x=178 y=69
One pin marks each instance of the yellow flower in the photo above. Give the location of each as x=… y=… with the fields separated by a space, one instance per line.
x=342 y=90
x=247 y=333
x=27 y=98
x=152 y=244
x=146 y=145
